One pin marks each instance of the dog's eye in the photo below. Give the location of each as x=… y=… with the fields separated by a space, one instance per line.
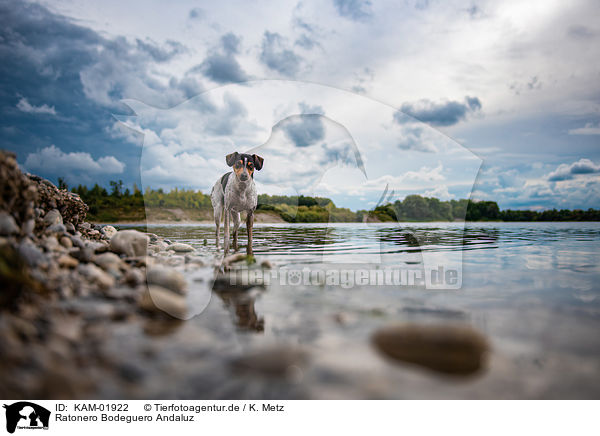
x=238 y=165
x=250 y=165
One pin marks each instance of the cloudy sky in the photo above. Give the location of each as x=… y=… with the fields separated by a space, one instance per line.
x=422 y=96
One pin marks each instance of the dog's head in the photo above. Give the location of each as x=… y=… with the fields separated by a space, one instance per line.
x=244 y=165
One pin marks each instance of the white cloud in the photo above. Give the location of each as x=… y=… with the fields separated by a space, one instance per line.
x=589 y=129
x=24 y=106
x=568 y=172
x=53 y=159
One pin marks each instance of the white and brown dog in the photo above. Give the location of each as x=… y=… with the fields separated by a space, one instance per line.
x=232 y=195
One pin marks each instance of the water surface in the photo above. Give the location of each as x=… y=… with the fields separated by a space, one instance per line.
x=530 y=288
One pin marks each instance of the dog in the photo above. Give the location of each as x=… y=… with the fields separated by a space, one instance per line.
x=236 y=193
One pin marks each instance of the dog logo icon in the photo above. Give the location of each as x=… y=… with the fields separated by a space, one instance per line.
x=26 y=415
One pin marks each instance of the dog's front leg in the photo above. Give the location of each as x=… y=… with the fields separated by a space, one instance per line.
x=249 y=224
x=226 y=233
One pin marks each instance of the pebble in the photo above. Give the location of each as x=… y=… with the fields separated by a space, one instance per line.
x=8 y=225
x=66 y=261
x=180 y=247
x=29 y=226
x=134 y=277
x=158 y=299
x=70 y=228
x=129 y=242
x=32 y=254
x=109 y=231
x=96 y=275
x=108 y=261
x=450 y=349
x=57 y=228
x=66 y=242
x=50 y=243
x=53 y=217
x=167 y=278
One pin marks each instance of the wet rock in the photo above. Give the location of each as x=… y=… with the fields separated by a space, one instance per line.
x=66 y=261
x=109 y=231
x=84 y=254
x=158 y=300
x=451 y=349
x=30 y=253
x=28 y=227
x=180 y=247
x=50 y=243
x=53 y=217
x=175 y=260
x=279 y=361
x=85 y=226
x=96 y=275
x=129 y=242
x=66 y=242
x=57 y=228
x=167 y=278
x=134 y=277
x=8 y=225
x=108 y=261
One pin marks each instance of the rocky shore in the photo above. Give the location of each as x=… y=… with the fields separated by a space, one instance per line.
x=63 y=278
x=89 y=311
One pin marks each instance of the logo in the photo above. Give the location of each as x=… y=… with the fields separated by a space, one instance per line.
x=26 y=415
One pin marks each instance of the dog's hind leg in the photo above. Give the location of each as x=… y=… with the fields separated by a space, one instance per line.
x=235 y=218
x=249 y=225
x=226 y=235
x=218 y=211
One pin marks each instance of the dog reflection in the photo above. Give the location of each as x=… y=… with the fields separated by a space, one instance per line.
x=246 y=316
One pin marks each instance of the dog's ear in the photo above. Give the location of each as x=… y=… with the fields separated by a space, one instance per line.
x=232 y=158
x=258 y=162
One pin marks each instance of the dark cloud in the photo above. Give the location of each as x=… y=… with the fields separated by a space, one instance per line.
x=355 y=10
x=306 y=129
x=197 y=14
x=422 y=4
x=52 y=64
x=306 y=42
x=220 y=65
x=580 y=32
x=439 y=114
x=277 y=56
x=161 y=54
x=568 y=172
x=412 y=138
x=225 y=121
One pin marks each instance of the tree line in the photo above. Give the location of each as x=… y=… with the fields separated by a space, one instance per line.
x=122 y=204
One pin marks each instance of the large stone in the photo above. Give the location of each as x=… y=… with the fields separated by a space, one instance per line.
x=180 y=247
x=158 y=299
x=53 y=217
x=8 y=225
x=129 y=242
x=109 y=231
x=167 y=278
x=451 y=349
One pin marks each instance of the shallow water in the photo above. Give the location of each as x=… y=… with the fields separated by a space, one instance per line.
x=530 y=288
